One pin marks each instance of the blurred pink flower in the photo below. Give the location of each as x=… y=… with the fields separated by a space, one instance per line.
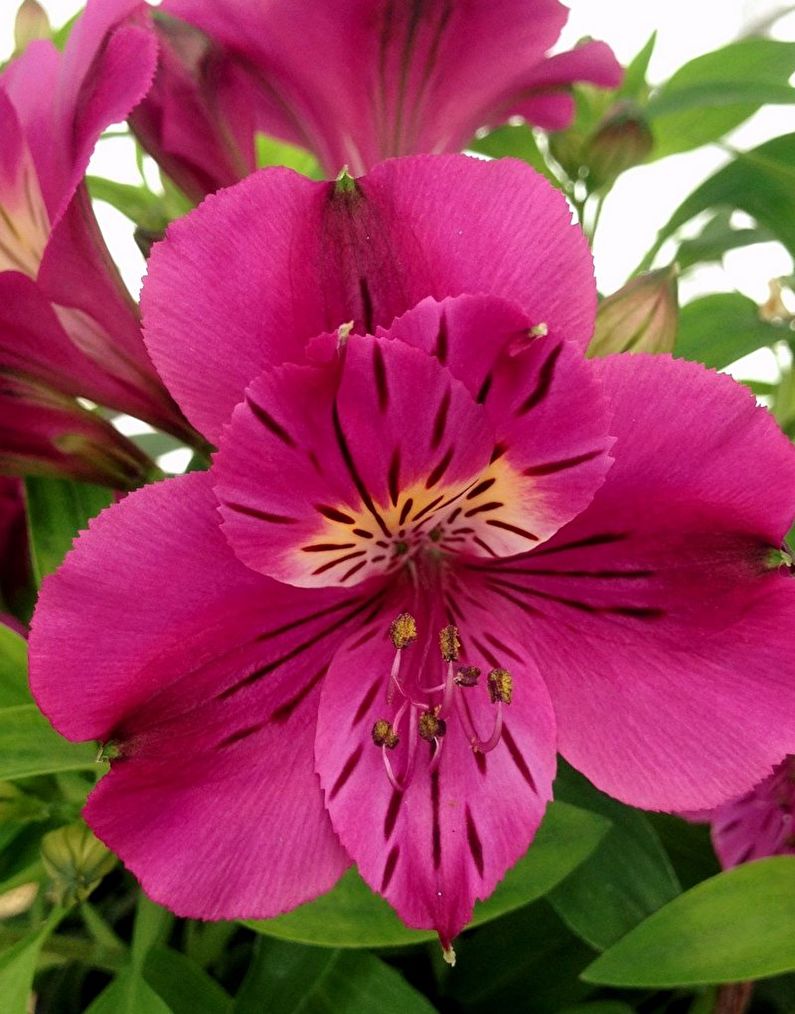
x=760 y=823
x=67 y=325
x=355 y=81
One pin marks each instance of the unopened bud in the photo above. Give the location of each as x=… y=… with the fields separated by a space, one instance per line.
x=641 y=317
x=500 y=686
x=430 y=726
x=384 y=734
x=31 y=24
x=449 y=643
x=403 y=630
x=76 y=862
x=622 y=140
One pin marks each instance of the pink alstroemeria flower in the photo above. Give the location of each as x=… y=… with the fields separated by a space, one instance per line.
x=760 y=823
x=80 y=332
x=425 y=557
x=355 y=81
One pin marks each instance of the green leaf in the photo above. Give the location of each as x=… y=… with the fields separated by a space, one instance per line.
x=138 y=204
x=13 y=668
x=182 y=985
x=624 y=880
x=152 y=927
x=129 y=993
x=270 y=152
x=18 y=966
x=515 y=141
x=352 y=916
x=634 y=84
x=689 y=847
x=30 y=746
x=739 y=925
x=716 y=92
x=293 y=979
x=716 y=239
x=761 y=182
x=721 y=328
x=57 y=510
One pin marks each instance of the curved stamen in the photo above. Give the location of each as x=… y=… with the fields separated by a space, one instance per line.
x=479 y=745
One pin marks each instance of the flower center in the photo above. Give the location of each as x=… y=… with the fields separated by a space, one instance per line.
x=428 y=518
x=421 y=712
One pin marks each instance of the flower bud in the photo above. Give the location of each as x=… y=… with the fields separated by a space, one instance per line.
x=641 y=317
x=76 y=862
x=31 y=24
x=622 y=140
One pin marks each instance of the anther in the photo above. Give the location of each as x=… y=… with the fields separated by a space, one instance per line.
x=384 y=734
x=403 y=630
x=467 y=676
x=449 y=643
x=500 y=686
x=431 y=726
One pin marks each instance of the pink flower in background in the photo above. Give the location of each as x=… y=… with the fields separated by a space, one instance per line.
x=80 y=332
x=355 y=82
x=760 y=823
x=425 y=558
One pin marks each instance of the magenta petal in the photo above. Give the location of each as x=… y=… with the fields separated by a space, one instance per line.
x=760 y=823
x=544 y=95
x=447 y=840
x=66 y=101
x=277 y=259
x=313 y=494
x=44 y=432
x=205 y=675
x=198 y=118
x=527 y=383
x=425 y=78
x=653 y=617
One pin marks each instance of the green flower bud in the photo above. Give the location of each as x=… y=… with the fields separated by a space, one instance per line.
x=641 y=317
x=76 y=862
x=622 y=140
x=31 y=24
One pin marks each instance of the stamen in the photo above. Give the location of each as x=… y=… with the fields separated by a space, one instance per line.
x=431 y=726
x=384 y=734
x=403 y=630
x=500 y=685
x=467 y=676
x=449 y=643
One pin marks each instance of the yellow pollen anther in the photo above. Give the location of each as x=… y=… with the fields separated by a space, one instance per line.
x=384 y=734
x=500 y=686
x=467 y=676
x=403 y=630
x=430 y=725
x=449 y=643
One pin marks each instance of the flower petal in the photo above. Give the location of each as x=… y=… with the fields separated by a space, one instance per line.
x=542 y=96
x=654 y=618
x=327 y=475
x=213 y=801
x=759 y=824
x=278 y=259
x=528 y=382
x=426 y=77
x=449 y=837
x=66 y=101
